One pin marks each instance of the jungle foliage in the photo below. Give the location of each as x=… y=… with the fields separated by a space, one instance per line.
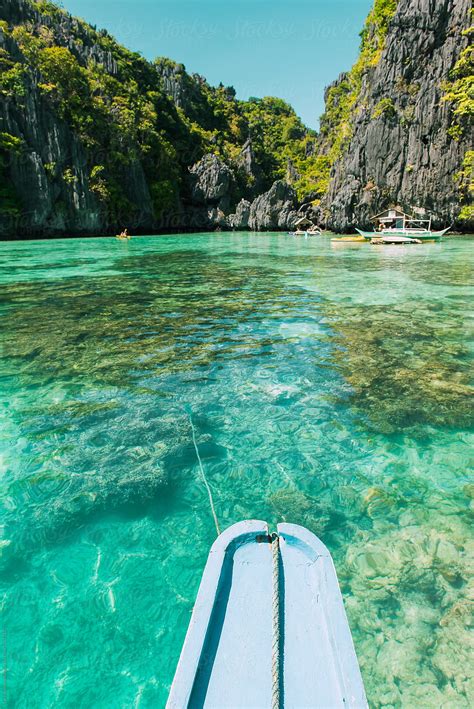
x=459 y=93
x=121 y=108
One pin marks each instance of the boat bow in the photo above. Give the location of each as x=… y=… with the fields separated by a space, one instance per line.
x=228 y=658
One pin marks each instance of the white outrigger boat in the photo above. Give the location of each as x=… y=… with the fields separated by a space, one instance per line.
x=315 y=231
x=394 y=226
x=268 y=627
x=404 y=236
x=310 y=230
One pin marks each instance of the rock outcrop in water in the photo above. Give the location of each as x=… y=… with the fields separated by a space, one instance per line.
x=93 y=137
x=240 y=220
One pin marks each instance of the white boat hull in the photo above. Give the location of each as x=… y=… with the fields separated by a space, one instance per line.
x=422 y=235
x=228 y=653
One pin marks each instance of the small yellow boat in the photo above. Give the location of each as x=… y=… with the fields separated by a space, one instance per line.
x=124 y=236
x=349 y=240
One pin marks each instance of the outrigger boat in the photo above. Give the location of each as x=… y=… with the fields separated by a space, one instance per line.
x=395 y=223
x=311 y=230
x=268 y=627
x=405 y=233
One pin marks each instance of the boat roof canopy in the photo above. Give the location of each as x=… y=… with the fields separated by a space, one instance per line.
x=304 y=221
x=389 y=214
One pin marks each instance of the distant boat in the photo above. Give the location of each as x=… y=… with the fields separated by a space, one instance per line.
x=124 y=236
x=299 y=232
x=314 y=231
x=405 y=232
x=310 y=229
x=395 y=223
x=268 y=627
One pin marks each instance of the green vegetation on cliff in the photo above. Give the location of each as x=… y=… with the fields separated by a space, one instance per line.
x=126 y=109
x=465 y=180
x=103 y=137
x=459 y=93
x=123 y=111
x=9 y=201
x=118 y=115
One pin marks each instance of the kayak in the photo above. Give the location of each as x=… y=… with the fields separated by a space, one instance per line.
x=268 y=627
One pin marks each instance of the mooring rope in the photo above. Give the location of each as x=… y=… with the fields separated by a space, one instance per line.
x=276 y=703
x=203 y=475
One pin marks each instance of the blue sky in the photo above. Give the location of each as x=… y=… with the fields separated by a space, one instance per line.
x=286 y=48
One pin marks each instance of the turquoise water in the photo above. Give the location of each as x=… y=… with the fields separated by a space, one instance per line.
x=328 y=386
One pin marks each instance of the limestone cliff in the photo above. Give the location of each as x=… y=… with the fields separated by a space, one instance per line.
x=404 y=147
x=93 y=137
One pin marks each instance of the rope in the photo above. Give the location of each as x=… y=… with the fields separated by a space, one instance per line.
x=276 y=703
x=203 y=475
x=276 y=678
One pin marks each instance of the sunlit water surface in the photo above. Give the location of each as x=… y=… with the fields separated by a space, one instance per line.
x=328 y=386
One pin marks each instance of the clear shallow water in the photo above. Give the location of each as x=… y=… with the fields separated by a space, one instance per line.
x=328 y=385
